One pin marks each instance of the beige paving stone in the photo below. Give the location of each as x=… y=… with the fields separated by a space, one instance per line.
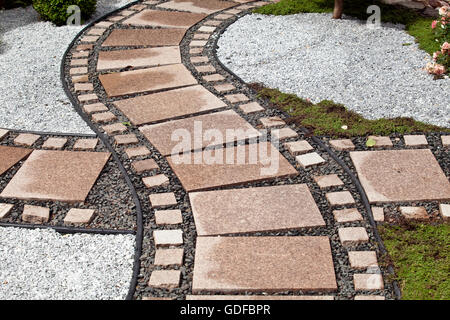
x=79 y=62
x=84 y=47
x=201 y=36
x=168 y=217
x=234 y=11
x=378 y=214
x=197 y=50
x=401 y=175
x=169 y=104
x=284 y=133
x=137 y=152
x=444 y=209
x=3 y=133
x=89 y=39
x=158 y=18
x=145 y=165
x=126 y=12
x=224 y=87
x=197 y=171
x=368 y=282
x=327 y=181
x=82 y=54
x=251 y=107
x=9 y=156
x=200 y=59
x=96 y=31
x=359 y=297
x=213 y=77
x=381 y=142
x=95 y=107
x=223 y=16
x=340 y=198
x=236 y=98
x=157 y=78
x=362 y=259
x=445 y=141
x=156 y=181
x=205 y=69
x=83 y=87
x=103 y=117
x=198 y=6
x=298 y=147
x=272 y=122
x=169 y=257
x=79 y=216
x=251 y=210
x=115 y=128
x=139 y=7
x=263 y=264
x=126 y=139
x=82 y=78
x=309 y=159
x=168 y=237
x=56 y=175
x=138 y=58
x=78 y=70
x=414 y=213
x=54 y=143
x=207 y=29
x=103 y=24
x=35 y=214
x=87 y=97
x=342 y=144
x=158 y=200
x=353 y=235
x=144 y=37
x=166 y=279
x=115 y=18
x=213 y=23
x=26 y=139
x=161 y=135
x=347 y=215
x=85 y=144
x=5 y=209
x=256 y=297
x=415 y=140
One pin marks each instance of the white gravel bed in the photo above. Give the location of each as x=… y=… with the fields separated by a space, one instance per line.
x=43 y=264
x=375 y=72
x=31 y=95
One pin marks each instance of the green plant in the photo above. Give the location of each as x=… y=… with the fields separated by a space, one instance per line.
x=441 y=57
x=56 y=10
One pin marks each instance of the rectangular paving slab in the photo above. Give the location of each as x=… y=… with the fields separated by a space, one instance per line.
x=199 y=6
x=401 y=175
x=242 y=164
x=170 y=104
x=263 y=264
x=128 y=82
x=144 y=37
x=9 y=156
x=250 y=210
x=159 y=18
x=56 y=175
x=223 y=123
x=138 y=58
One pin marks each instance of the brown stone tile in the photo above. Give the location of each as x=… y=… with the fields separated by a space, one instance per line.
x=79 y=62
x=87 y=97
x=331 y=180
x=236 y=168
x=85 y=144
x=96 y=31
x=206 y=29
x=444 y=209
x=381 y=142
x=145 y=165
x=83 y=87
x=163 y=217
x=169 y=257
x=272 y=122
x=414 y=213
x=199 y=59
x=362 y=259
x=82 y=78
x=56 y=175
x=198 y=6
x=165 y=77
x=340 y=198
x=310 y=159
x=5 y=209
x=166 y=279
x=138 y=58
x=139 y=7
x=84 y=47
x=213 y=77
x=156 y=181
x=81 y=54
x=79 y=70
x=103 y=24
x=401 y=175
x=353 y=235
x=158 y=18
x=205 y=69
x=250 y=210
x=213 y=23
x=378 y=214
x=168 y=237
x=26 y=139
x=9 y=156
x=347 y=215
x=198 y=50
x=368 y=282
x=54 y=143
x=223 y=16
x=158 y=200
x=115 y=18
x=137 y=152
x=369 y=297
x=224 y=87
x=103 y=117
x=201 y=36
x=115 y=128
x=160 y=135
x=445 y=141
x=35 y=214
x=3 y=133
x=342 y=144
x=144 y=37
x=415 y=140
x=126 y=139
x=79 y=216
x=89 y=39
x=251 y=107
x=263 y=264
x=256 y=297
x=298 y=147
x=236 y=98
x=169 y=104
x=284 y=133
x=95 y=107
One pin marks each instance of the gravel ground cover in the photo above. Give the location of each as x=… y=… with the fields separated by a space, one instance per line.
x=318 y=58
x=43 y=264
x=32 y=97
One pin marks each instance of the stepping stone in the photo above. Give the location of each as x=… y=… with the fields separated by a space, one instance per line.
x=26 y=139
x=35 y=214
x=272 y=122
x=103 y=24
x=166 y=279
x=144 y=165
x=340 y=198
x=9 y=156
x=79 y=70
x=129 y=82
x=381 y=141
x=198 y=50
x=144 y=37
x=213 y=23
x=353 y=235
x=309 y=159
x=206 y=29
x=236 y=98
x=369 y=298
x=168 y=257
x=3 y=133
x=198 y=6
x=342 y=144
x=362 y=259
x=254 y=210
x=226 y=126
x=201 y=36
x=96 y=32
x=125 y=139
x=347 y=215
x=201 y=59
x=207 y=68
x=79 y=62
x=224 y=87
x=103 y=117
x=298 y=147
x=414 y=213
x=156 y=181
x=158 y=18
x=445 y=141
x=415 y=140
x=368 y=282
x=331 y=180
x=251 y=107
x=445 y=211
x=138 y=58
x=87 y=97
x=236 y=165
x=168 y=105
x=213 y=77
x=168 y=217
x=82 y=54
x=79 y=216
x=115 y=128
x=137 y=152
x=168 y=237
x=223 y=16
x=85 y=144
x=56 y=175
x=83 y=87
x=256 y=297
x=82 y=78
x=54 y=143
x=263 y=264
x=158 y=200
x=401 y=175
x=378 y=214
x=284 y=133
x=5 y=209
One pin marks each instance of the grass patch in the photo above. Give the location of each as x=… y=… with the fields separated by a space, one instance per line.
x=327 y=117
x=416 y=25
x=420 y=254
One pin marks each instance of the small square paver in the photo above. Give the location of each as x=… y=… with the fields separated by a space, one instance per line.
x=310 y=159
x=81 y=78
x=79 y=62
x=207 y=29
x=95 y=107
x=342 y=144
x=156 y=181
x=79 y=216
x=353 y=235
x=347 y=215
x=5 y=209
x=3 y=133
x=272 y=122
x=85 y=144
x=368 y=282
x=125 y=139
x=81 y=54
x=88 y=97
x=298 y=147
x=444 y=209
x=378 y=214
x=115 y=128
x=197 y=50
x=224 y=87
x=284 y=133
x=381 y=141
x=362 y=259
x=168 y=217
x=78 y=70
x=9 y=156
x=414 y=213
x=331 y=180
x=169 y=257
x=145 y=165
x=223 y=16
x=415 y=140
x=205 y=69
x=103 y=117
x=236 y=98
x=445 y=141
x=200 y=59
x=26 y=139
x=213 y=77
x=54 y=143
x=251 y=107
x=35 y=214
x=360 y=297
x=168 y=237
x=340 y=198
x=137 y=152
x=167 y=279
x=162 y=199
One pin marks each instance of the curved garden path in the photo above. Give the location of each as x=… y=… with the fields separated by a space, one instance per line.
x=145 y=78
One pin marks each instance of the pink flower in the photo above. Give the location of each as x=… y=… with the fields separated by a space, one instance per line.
x=443 y=11
x=436 y=55
x=439 y=69
x=445 y=46
x=433 y=24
